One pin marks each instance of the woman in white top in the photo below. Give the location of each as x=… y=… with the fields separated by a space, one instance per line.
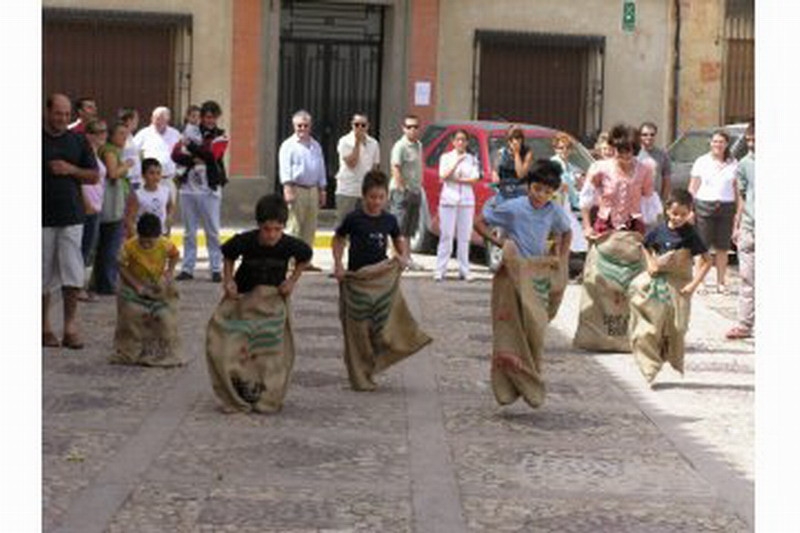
x=458 y=170
x=96 y=134
x=713 y=185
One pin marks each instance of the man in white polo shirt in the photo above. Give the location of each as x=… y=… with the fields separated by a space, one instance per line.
x=358 y=154
x=301 y=167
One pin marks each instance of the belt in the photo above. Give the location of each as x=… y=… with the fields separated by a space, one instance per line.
x=304 y=186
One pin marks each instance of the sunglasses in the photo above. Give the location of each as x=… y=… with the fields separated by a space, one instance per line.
x=360 y=124
x=411 y=126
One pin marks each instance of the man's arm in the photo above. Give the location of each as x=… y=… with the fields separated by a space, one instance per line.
x=666 y=178
x=351 y=160
x=87 y=176
x=401 y=248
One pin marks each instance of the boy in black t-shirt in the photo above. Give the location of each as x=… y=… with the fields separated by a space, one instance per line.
x=265 y=252
x=660 y=297
x=674 y=234
x=368 y=228
x=377 y=326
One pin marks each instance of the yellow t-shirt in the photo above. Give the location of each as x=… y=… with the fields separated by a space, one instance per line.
x=147 y=266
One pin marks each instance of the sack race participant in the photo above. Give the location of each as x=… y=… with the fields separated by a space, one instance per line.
x=378 y=328
x=250 y=351
x=526 y=293
x=147 y=302
x=529 y=285
x=661 y=296
x=249 y=340
x=613 y=261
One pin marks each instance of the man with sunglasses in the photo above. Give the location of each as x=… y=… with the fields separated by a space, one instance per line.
x=358 y=154
x=301 y=167
x=405 y=189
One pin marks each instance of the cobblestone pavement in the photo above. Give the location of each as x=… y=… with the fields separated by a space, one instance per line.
x=128 y=449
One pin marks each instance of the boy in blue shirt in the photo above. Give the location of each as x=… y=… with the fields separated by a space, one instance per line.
x=529 y=220
x=528 y=287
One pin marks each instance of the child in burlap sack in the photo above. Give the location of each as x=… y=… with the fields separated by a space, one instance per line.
x=660 y=296
x=378 y=328
x=529 y=285
x=249 y=342
x=147 y=321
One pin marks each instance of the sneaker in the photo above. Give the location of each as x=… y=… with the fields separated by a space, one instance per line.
x=216 y=277
x=465 y=277
x=739 y=332
x=438 y=278
x=183 y=276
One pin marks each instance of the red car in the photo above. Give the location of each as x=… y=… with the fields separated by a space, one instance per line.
x=484 y=140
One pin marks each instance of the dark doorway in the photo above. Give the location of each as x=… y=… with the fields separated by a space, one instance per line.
x=122 y=59
x=330 y=65
x=545 y=79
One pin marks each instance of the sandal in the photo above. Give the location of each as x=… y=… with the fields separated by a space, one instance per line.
x=49 y=340
x=738 y=332
x=72 y=341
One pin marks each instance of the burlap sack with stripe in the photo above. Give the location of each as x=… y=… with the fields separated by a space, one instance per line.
x=378 y=328
x=660 y=314
x=147 y=328
x=526 y=294
x=250 y=351
x=612 y=263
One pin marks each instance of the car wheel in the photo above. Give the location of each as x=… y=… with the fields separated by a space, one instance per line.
x=422 y=241
x=494 y=254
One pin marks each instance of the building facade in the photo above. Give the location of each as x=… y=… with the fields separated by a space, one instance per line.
x=579 y=65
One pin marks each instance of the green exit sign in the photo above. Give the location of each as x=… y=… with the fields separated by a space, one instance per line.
x=628 y=15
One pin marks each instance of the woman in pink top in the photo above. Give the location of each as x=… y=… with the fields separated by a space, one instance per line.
x=620 y=183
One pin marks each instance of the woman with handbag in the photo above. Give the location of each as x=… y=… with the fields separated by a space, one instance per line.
x=713 y=185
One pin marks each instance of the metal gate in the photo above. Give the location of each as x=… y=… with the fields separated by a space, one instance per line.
x=546 y=79
x=122 y=59
x=740 y=77
x=330 y=65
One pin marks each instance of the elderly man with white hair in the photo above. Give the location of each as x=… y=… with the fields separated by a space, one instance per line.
x=157 y=141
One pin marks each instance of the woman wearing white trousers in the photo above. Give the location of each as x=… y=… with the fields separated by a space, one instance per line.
x=458 y=170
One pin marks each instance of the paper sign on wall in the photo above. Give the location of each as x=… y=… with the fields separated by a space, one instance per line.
x=422 y=93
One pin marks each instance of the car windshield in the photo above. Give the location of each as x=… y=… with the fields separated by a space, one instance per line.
x=689 y=147
x=693 y=144
x=542 y=149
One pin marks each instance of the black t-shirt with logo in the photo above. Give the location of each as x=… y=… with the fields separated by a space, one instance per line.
x=62 y=202
x=663 y=239
x=368 y=235
x=263 y=265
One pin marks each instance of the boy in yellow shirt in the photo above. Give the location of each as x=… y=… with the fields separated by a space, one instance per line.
x=146 y=330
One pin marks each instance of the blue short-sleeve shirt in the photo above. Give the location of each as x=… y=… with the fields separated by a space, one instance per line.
x=527 y=226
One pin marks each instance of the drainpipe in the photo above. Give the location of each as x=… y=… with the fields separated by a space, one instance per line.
x=676 y=68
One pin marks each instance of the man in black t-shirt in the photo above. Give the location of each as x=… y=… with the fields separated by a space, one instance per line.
x=67 y=163
x=369 y=227
x=265 y=252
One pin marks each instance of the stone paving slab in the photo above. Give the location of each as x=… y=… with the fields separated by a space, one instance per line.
x=429 y=448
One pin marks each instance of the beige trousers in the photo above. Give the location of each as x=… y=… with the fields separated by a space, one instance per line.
x=303 y=211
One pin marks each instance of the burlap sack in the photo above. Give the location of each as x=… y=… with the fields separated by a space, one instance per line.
x=660 y=314
x=250 y=351
x=378 y=328
x=147 y=328
x=526 y=294
x=612 y=263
